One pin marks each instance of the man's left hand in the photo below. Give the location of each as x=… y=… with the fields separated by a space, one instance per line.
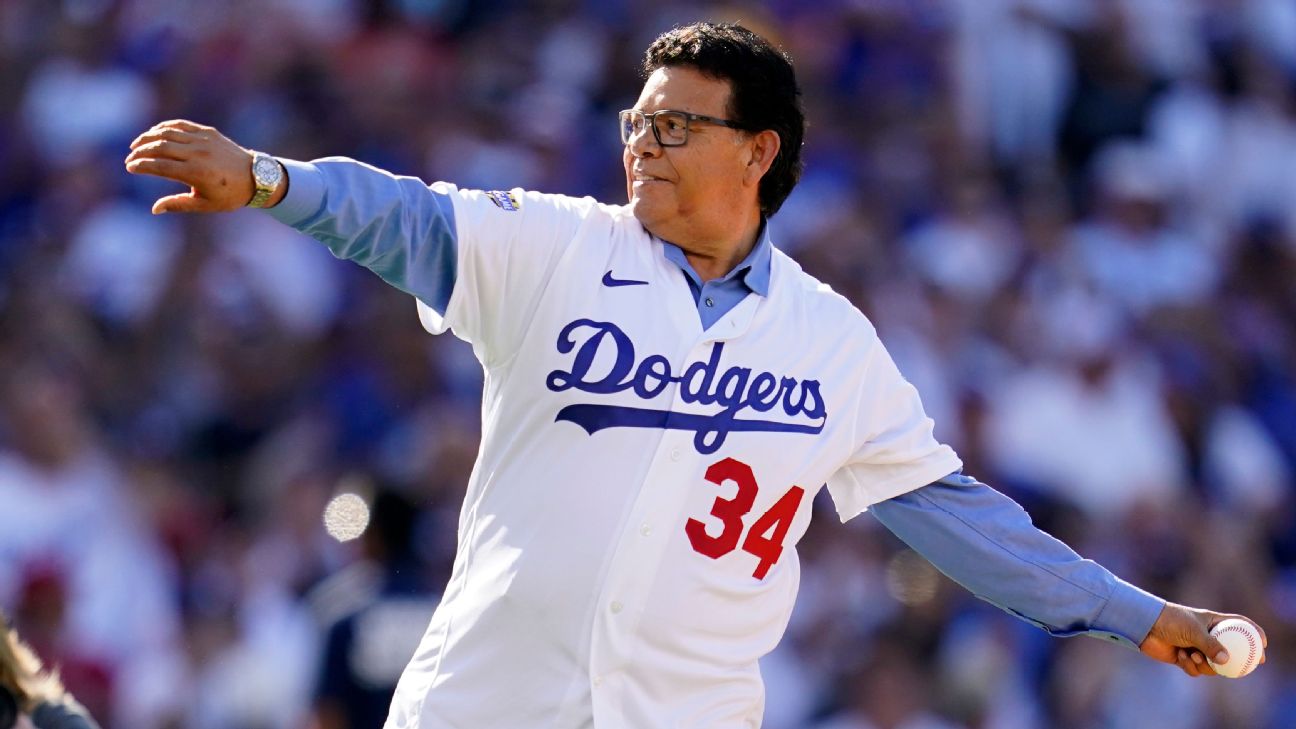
x=1181 y=635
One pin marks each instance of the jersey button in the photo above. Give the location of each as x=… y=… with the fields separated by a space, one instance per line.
x=598 y=681
x=645 y=530
x=616 y=606
x=710 y=301
x=675 y=454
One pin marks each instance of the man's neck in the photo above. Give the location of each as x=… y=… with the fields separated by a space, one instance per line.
x=712 y=260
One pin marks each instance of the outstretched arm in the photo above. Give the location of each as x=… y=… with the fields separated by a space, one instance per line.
x=986 y=542
x=397 y=227
x=477 y=261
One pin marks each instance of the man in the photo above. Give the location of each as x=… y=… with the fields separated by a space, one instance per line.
x=665 y=393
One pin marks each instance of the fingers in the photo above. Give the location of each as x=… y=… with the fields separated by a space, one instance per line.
x=168 y=168
x=1198 y=639
x=162 y=149
x=183 y=203
x=183 y=124
x=171 y=140
x=1216 y=649
x=177 y=130
x=1192 y=662
x=170 y=135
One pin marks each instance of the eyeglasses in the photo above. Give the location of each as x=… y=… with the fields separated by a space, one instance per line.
x=671 y=128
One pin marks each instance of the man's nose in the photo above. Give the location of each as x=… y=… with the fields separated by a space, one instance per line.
x=644 y=143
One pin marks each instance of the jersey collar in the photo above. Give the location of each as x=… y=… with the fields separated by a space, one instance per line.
x=753 y=272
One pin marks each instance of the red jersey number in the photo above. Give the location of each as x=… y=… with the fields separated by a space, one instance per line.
x=729 y=511
x=765 y=538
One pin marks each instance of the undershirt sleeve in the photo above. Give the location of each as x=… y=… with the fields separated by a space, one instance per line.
x=986 y=542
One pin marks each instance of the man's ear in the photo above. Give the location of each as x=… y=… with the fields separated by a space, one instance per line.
x=765 y=147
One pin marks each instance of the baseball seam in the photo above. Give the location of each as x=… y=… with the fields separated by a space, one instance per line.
x=1251 y=646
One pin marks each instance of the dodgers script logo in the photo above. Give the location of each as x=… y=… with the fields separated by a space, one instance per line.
x=734 y=390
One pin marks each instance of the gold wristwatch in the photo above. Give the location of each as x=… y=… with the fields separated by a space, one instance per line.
x=267 y=174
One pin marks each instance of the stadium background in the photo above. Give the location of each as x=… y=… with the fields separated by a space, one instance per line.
x=1073 y=221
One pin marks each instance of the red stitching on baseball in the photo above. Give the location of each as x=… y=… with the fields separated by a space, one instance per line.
x=1251 y=644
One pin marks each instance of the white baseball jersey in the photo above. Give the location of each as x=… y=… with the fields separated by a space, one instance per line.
x=627 y=547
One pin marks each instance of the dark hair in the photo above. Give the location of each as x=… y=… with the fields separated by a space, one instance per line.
x=764 y=93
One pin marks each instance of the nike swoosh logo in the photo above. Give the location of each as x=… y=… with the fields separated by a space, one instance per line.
x=614 y=282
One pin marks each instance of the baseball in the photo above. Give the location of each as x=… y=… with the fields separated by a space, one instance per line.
x=1244 y=645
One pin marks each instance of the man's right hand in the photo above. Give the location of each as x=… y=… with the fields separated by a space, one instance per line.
x=217 y=171
x=1181 y=636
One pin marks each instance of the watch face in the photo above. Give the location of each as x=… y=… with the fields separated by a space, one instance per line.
x=266 y=169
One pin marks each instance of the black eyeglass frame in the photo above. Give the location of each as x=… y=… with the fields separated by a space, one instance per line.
x=689 y=118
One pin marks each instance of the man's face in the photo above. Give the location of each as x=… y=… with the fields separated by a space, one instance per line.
x=689 y=193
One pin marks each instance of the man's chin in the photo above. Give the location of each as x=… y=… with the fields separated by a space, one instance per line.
x=648 y=212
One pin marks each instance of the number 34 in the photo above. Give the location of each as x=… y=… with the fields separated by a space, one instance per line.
x=765 y=538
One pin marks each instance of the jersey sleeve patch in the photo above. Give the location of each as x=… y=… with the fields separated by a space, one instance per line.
x=505 y=200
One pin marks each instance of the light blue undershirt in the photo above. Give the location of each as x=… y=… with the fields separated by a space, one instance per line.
x=716 y=297
x=405 y=232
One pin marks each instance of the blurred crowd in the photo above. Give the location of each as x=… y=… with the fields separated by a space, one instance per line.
x=1073 y=222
